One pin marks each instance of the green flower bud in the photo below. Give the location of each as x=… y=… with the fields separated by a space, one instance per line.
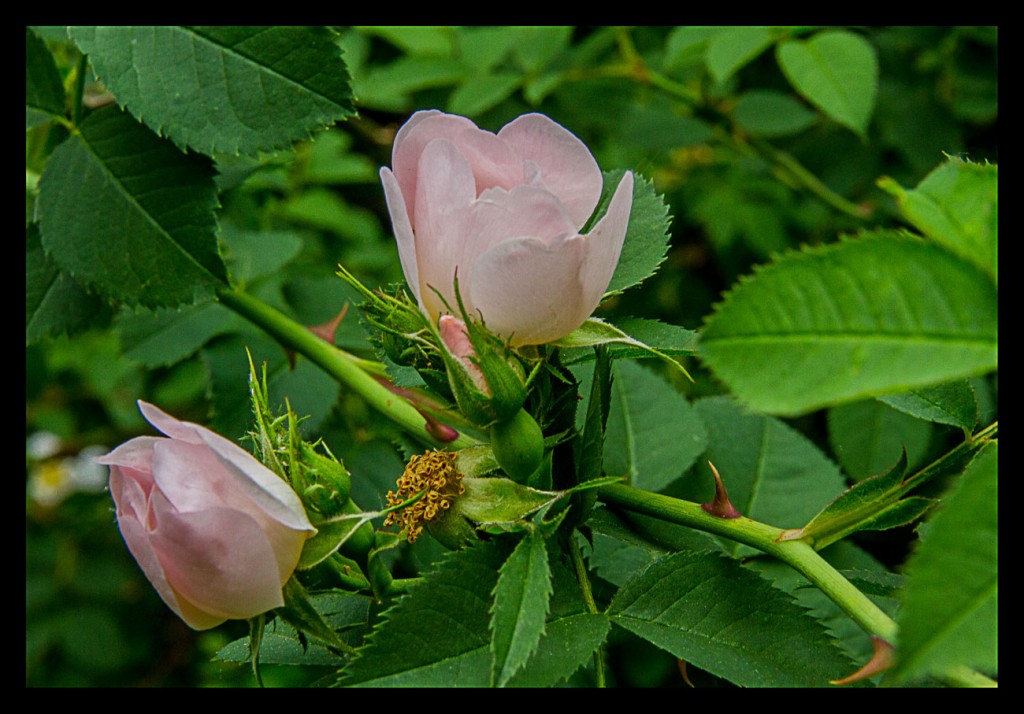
x=324 y=481
x=518 y=445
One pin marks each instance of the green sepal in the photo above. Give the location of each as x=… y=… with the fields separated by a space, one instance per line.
x=595 y=332
x=349 y=530
x=299 y=612
x=500 y=503
x=504 y=375
x=398 y=325
x=325 y=480
x=257 y=625
x=452 y=530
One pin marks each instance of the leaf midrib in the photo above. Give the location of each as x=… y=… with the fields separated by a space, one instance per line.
x=131 y=198
x=262 y=67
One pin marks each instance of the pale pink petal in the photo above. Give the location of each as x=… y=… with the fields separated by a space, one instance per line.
x=193 y=476
x=456 y=339
x=137 y=539
x=265 y=488
x=495 y=164
x=410 y=142
x=604 y=243
x=403 y=231
x=567 y=168
x=135 y=453
x=445 y=191
x=174 y=428
x=529 y=291
x=130 y=490
x=217 y=560
x=499 y=215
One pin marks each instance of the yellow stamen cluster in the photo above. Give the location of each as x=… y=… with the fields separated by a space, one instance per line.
x=434 y=472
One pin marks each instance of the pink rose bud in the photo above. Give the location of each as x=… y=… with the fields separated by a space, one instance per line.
x=456 y=339
x=216 y=532
x=504 y=212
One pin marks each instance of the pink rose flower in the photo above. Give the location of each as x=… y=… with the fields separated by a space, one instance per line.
x=216 y=532
x=504 y=212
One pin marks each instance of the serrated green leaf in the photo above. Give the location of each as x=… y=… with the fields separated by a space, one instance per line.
x=568 y=643
x=957 y=205
x=280 y=649
x=727 y=620
x=617 y=561
x=233 y=90
x=54 y=303
x=438 y=634
x=954 y=403
x=300 y=612
x=653 y=433
x=123 y=211
x=949 y=615
x=251 y=255
x=44 y=91
x=837 y=71
x=772 y=472
x=901 y=513
x=167 y=336
x=728 y=51
x=646 y=240
x=521 y=600
x=768 y=113
x=863 y=317
x=871 y=504
x=867 y=437
x=344 y=612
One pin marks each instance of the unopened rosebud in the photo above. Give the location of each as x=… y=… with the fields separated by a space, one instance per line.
x=324 y=482
x=456 y=339
x=487 y=382
x=518 y=445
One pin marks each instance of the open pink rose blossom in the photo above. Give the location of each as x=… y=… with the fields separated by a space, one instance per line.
x=504 y=212
x=216 y=532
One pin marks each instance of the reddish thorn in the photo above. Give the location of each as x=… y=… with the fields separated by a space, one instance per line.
x=329 y=329
x=880 y=661
x=720 y=506
x=682 y=670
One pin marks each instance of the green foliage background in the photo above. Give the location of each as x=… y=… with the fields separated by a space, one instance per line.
x=756 y=148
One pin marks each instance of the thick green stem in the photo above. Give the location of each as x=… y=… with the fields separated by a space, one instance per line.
x=797 y=554
x=347 y=369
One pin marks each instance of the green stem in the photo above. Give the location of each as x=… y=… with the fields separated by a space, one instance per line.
x=347 y=369
x=588 y=598
x=809 y=181
x=637 y=68
x=79 y=90
x=797 y=554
